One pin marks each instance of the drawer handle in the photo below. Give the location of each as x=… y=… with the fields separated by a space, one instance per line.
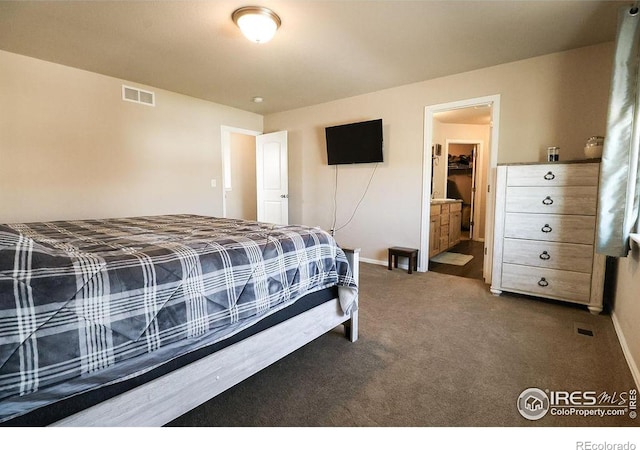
x=544 y=255
x=546 y=228
x=549 y=176
x=543 y=283
x=547 y=201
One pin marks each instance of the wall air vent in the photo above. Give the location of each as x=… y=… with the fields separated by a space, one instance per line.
x=135 y=95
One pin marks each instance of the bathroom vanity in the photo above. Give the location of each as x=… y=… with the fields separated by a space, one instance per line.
x=446 y=224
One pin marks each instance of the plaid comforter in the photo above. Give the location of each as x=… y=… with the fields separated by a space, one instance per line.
x=78 y=297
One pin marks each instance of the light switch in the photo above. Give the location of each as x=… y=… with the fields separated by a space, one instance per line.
x=213 y=183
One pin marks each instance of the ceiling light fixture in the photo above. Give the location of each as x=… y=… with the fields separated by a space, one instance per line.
x=258 y=24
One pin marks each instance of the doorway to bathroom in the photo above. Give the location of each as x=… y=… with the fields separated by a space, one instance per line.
x=460 y=159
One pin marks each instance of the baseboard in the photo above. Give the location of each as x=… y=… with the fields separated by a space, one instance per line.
x=635 y=371
x=373 y=261
x=378 y=262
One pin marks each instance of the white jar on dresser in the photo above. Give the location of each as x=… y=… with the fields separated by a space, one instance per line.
x=545 y=232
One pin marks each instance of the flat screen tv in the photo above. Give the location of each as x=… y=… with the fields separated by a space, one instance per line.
x=355 y=143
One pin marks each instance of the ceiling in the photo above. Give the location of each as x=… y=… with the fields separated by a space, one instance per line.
x=324 y=50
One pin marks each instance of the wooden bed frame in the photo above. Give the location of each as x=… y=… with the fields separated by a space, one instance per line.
x=168 y=397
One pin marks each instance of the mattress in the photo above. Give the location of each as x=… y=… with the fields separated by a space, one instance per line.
x=94 y=302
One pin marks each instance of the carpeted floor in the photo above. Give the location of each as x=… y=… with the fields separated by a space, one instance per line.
x=434 y=350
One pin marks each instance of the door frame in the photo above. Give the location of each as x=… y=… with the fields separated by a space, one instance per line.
x=494 y=100
x=225 y=138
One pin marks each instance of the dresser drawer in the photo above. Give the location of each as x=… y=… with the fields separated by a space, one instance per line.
x=444 y=219
x=435 y=210
x=553 y=200
x=550 y=255
x=553 y=175
x=559 y=284
x=549 y=227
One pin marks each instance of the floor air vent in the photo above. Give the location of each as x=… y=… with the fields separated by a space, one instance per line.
x=583 y=329
x=135 y=95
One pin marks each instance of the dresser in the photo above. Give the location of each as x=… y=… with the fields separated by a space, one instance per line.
x=446 y=224
x=545 y=232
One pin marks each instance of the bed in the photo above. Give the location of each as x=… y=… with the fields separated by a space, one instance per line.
x=135 y=321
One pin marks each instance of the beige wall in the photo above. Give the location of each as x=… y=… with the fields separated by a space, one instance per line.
x=626 y=308
x=241 y=199
x=71 y=148
x=558 y=99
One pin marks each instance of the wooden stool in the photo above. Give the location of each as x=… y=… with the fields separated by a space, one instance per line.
x=411 y=253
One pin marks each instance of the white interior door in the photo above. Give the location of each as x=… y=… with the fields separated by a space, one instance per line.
x=272 y=178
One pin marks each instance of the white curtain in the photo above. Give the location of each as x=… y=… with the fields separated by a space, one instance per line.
x=619 y=183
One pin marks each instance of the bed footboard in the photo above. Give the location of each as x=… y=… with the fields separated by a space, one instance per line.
x=168 y=397
x=351 y=325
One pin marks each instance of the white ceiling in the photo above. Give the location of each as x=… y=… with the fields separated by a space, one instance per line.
x=324 y=50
